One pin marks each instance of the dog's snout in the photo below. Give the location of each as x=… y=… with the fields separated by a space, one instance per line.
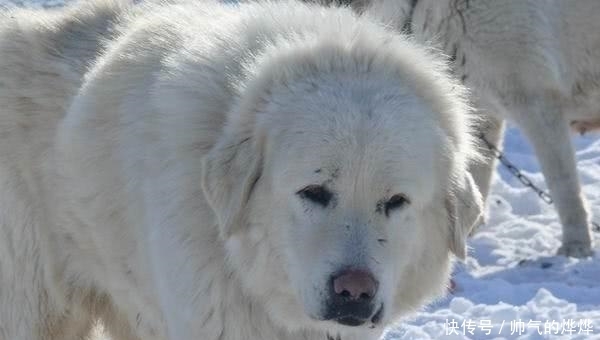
x=355 y=285
x=352 y=295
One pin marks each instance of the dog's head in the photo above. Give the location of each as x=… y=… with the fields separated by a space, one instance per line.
x=341 y=194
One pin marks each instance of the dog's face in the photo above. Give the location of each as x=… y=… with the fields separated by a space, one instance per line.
x=349 y=202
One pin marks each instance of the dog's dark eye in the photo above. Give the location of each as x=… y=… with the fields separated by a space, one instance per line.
x=395 y=202
x=317 y=194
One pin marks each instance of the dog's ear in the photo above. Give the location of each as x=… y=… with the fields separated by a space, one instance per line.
x=231 y=169
x=464 y=208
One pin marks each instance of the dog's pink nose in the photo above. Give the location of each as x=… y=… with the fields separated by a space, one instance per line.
x=355 y=285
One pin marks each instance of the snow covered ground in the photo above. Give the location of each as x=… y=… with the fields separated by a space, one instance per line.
x=513 y=286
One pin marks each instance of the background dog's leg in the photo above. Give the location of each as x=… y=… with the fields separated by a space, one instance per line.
x=544 y=124
x=493 y=131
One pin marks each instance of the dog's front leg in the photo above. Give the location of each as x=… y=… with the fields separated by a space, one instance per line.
x=188 y=284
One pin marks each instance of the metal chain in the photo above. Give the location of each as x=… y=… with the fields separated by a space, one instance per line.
x=526 y=181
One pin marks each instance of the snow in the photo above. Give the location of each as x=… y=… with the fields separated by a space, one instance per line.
x=513 y=286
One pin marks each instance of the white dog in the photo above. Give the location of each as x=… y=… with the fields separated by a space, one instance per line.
x=534 y=62
x=260 y=171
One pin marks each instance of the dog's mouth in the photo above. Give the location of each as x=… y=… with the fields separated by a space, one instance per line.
x=353 y=321
x=350 y=321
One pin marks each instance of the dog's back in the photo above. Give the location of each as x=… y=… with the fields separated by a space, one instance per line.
x=44 y=55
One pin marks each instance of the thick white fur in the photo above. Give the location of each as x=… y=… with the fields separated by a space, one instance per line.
x=157 y=191
x=534 y=62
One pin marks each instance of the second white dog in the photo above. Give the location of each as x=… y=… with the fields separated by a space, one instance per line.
x=534 y=62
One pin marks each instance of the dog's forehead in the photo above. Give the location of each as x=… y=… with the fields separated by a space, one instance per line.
x=384 y=157
x=399 y=158
x=352 y=110
x=373 y=132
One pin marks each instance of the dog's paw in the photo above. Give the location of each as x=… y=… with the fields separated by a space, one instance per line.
x=576 y=249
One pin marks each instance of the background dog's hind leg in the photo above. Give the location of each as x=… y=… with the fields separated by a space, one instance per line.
x=548 y=130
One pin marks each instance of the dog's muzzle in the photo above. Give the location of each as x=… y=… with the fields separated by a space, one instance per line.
x=351 y=298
